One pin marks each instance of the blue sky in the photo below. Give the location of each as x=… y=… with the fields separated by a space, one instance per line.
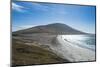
x=29 y=14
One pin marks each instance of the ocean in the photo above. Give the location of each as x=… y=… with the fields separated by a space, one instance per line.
x=84 y=41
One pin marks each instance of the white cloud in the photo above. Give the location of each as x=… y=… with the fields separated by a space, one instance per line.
x=17 y=7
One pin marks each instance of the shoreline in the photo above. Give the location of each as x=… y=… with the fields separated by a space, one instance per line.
x=72 y=52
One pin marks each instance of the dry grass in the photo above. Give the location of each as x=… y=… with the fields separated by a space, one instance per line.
x=23 y=54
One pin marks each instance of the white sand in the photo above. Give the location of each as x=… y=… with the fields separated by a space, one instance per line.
x=72 y=52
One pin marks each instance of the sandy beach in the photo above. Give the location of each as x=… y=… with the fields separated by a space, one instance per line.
x=71 y=52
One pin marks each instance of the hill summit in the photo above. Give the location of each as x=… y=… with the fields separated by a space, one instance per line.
x=55 y=28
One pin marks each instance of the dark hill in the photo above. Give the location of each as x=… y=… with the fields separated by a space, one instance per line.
x=55 y=28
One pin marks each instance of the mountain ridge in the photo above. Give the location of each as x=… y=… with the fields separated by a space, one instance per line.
x=54 y=28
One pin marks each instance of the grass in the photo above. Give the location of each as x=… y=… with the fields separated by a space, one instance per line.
x=23 y=54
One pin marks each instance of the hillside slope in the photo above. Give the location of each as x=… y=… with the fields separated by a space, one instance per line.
x=55 y=28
